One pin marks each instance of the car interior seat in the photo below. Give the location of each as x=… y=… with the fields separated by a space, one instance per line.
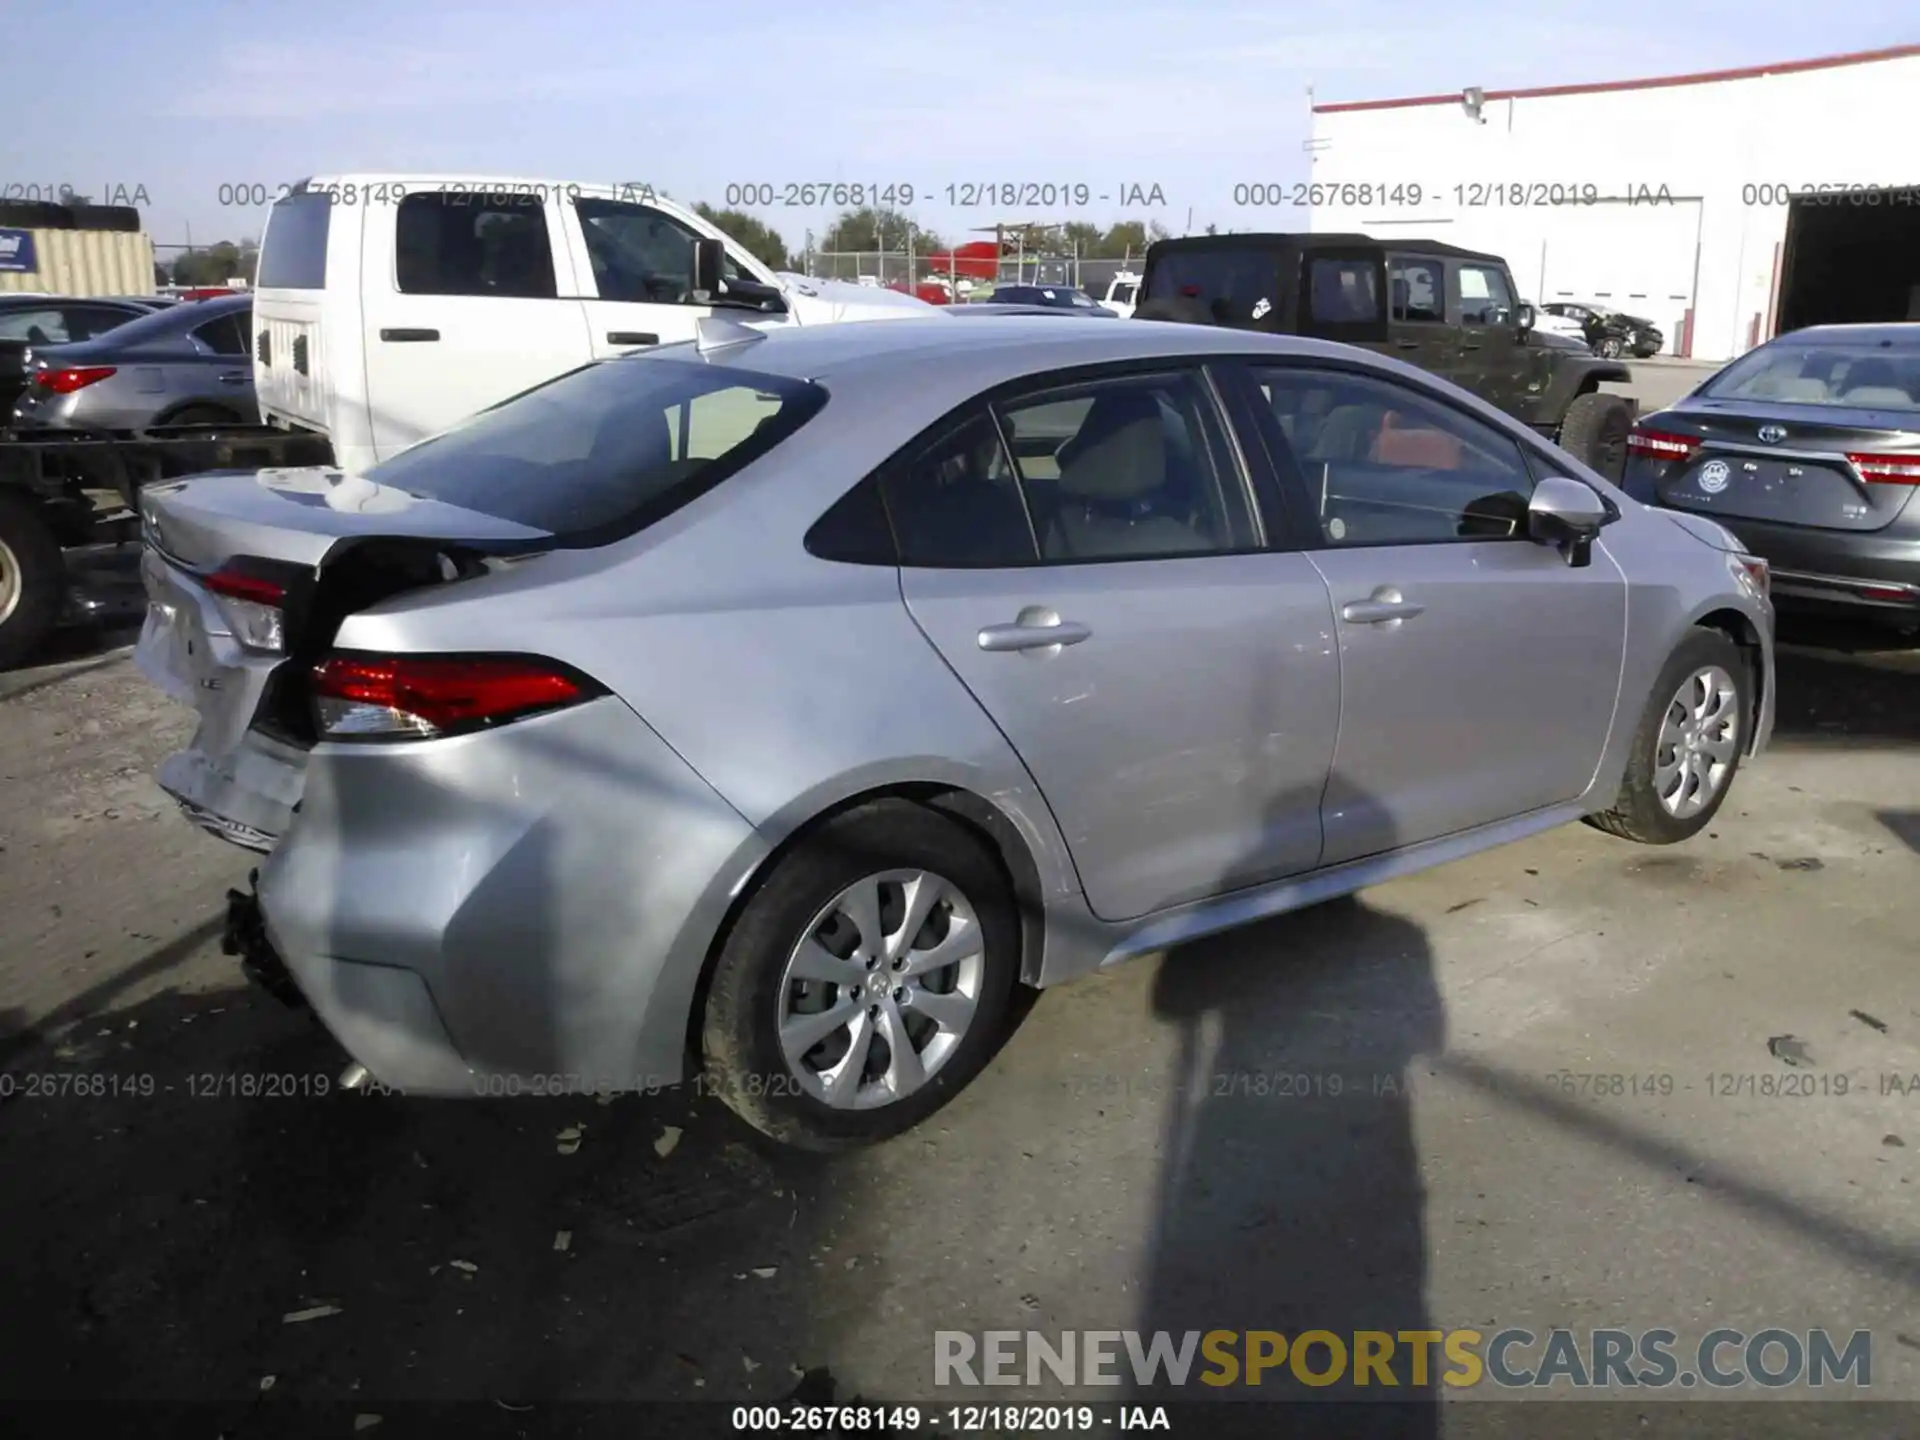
x=1123 y=488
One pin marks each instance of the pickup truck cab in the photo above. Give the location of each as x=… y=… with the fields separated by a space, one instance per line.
x=1123 y=294
x=389 y=307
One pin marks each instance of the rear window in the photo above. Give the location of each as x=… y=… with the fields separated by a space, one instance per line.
x=1862 y=375
x=293 y=256
x=606 y=450
x=1232 y=284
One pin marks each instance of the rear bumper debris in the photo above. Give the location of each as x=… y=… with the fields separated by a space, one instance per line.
x=246 y=936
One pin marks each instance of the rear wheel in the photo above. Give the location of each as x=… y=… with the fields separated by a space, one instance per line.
x=1687 y=749
x=33 y=577
x=866 y=982
x=200 y=415
x=1594 y=431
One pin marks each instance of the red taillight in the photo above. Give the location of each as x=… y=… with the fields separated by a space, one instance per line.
x=1661 y=444
x=71 y=378
x=384 y=696
x=1888 y=469
x=245 y=587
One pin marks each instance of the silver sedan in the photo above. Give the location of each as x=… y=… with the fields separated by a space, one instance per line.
x=772 y=706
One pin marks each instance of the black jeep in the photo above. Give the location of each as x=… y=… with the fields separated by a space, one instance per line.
x=1445 y=309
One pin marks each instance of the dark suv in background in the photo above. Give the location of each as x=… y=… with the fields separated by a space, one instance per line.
x=1609 y=333
x=1448 y=310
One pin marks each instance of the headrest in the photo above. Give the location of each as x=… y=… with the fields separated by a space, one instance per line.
x=1119 y=452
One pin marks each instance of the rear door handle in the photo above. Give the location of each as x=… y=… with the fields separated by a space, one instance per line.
x=632 y=337
x=1035 y=629
x=236 y=377
x=1406 y=344
x=1386 y=606
x=399 y=337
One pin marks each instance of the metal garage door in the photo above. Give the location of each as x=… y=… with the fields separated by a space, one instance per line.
x=1636 y=258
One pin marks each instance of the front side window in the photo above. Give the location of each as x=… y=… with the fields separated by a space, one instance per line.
x=1485 y=298
x=604 y=450
x=1385 y=465
x=455 y=243
x=639 y=253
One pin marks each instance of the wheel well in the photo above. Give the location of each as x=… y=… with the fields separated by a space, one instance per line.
x=166 y=417
x=1739 y=629
x=970 y=811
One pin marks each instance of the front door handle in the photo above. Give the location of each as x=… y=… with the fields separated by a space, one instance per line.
x=405 y=335
x=632 y=337
x=1386 y=606
x=1406 y=344
x=1036 y=630
x=237 y=377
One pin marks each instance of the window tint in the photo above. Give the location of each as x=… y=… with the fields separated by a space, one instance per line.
x=461 y=244
x=86 y=321
x=854 y=530
x=604 y=450
x=36 y=327
x=639 y=253
x=1230 y=284
x=1483 y=296
x=1124 y=293
x=1384 y=465
x=293 y=256
x=225 y=336
x=957 y=504
x=1343 y=291
x=1126 y=469
x=1419 y=291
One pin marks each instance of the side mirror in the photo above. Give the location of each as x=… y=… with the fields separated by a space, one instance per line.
x=1568 y=514
x=1525 y=317
x=709 y=263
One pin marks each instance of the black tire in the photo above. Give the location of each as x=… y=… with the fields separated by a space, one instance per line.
x=1594 y=431
x=1637 y=813
x=740 y=1027
x=1607 y=347
x=207 y=415
x=32 y=572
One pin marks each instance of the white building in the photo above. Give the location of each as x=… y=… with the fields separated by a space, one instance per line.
x=1665 y=198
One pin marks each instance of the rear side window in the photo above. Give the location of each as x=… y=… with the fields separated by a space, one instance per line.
x=1343 y=292
x=1236 y=286
x=957 y=505
x=225 y=336
x=1419 y=292
x=452 y=243
x=608 y=449
x=293 y=256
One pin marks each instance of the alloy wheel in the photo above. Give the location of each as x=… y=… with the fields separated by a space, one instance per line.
x=1699 y=742
x=881 y=989
x=11 y=583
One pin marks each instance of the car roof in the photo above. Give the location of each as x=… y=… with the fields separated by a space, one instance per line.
x=41 y=302
x=1888 y=333
x=1317 y=241
x=941 y=359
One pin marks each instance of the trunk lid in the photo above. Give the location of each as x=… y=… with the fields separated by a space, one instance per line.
x=330 y=543
x=1803 y=477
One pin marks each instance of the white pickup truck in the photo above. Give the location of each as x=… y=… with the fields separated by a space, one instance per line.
x=1123 y=294
x=389 y=307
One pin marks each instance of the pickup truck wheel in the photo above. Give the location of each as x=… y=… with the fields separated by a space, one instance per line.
x=1594 y=431
x=33 y=578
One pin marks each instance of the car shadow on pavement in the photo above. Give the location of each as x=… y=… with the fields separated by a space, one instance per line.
x=1845 y=681
x=1291 y=1199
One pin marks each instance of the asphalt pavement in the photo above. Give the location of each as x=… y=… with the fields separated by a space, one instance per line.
x=1570 y=1082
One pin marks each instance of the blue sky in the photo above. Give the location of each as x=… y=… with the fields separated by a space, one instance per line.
x=1191 y=95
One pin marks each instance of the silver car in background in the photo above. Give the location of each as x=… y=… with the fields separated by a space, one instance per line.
x=771 y=706
x=184 y=364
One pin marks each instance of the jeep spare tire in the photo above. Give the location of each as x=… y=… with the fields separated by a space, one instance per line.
x=1594 y=431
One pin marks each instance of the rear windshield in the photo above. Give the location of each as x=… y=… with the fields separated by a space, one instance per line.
x=294 y=254
x=606 y=450
x=1230 y=283
x=1862 y=375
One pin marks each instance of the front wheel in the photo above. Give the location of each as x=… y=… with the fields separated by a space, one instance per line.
x=33 y=576
x=866 y=982
x=1687 y=749
x=1608 y=348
